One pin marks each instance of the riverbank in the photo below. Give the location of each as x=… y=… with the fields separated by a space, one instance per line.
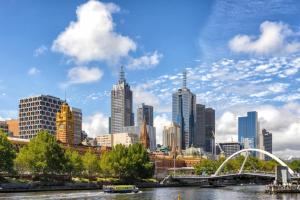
x=40 y=187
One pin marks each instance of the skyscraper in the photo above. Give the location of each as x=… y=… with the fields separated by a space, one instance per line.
x=183 y=113
x=199 y=139
x=210 y=130
x=265 y=143
x=77 y=115
x=145 y=112
x=248 y=130
x=121 y=105
x=38 y=113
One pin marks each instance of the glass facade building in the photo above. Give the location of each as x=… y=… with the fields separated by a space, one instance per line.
x=183 y=113
x=248 y=130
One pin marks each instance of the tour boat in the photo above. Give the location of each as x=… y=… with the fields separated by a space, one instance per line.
x=120 y=189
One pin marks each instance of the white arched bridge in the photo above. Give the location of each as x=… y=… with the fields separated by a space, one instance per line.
x=247 y=151
x=217 y=176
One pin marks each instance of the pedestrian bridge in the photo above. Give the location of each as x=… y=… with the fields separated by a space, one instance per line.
x=234 y=177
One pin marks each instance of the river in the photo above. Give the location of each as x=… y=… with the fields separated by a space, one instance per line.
x=187 y=193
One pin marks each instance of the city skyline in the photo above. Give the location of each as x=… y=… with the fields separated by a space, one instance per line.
x=238 y=72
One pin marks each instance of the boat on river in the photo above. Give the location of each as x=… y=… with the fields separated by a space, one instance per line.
x=120 y=189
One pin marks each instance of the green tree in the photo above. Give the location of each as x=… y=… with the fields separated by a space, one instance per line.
x=73 y=164
x=131 y=162
x=90 y=163
x=7 y=154
x=43 y=155
x=295 y=165
x=206 y=167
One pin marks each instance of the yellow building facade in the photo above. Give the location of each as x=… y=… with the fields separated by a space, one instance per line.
x=65 y=125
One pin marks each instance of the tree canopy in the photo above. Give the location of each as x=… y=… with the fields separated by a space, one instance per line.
x=43 y=155
x=127 y=162
x=7 y=154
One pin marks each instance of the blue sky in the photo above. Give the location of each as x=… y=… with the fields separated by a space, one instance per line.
x=240 y=56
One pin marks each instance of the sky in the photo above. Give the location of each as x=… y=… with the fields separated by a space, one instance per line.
x=239 y=56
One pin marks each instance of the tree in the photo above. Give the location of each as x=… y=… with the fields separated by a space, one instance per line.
x=127 y=162
x=295 y=165
x=7 y=154
x=206 y=167
x=90 y=163
x=73 y=165
x=43 y=155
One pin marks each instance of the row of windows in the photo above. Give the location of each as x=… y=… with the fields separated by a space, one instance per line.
x=24 y=114
x=37 y=117
x=40 y=98
x=34 y=108
x=37 y=122
x=22 y=129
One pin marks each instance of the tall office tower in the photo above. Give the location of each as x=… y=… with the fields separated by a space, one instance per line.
x=38 y=113
x=77 y=115
x=248 y=130
x=199 y=140
x=172 y=136
x=265 y=143
x=210 y=123
x=183 y=113
x=65 y=125
x=145 y=112
x=121 y=105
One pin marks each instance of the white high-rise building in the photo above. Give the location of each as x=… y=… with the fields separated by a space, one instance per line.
x=121 y=105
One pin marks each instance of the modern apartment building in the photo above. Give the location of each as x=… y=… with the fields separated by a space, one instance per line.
x=121 y=105
x=77 y=115
x=38 y=113
x=183 y=113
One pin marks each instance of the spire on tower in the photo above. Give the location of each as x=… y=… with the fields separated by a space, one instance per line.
x=122 y=75
x=184 y=79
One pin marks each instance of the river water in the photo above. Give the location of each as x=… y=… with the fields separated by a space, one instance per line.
x=187 y=193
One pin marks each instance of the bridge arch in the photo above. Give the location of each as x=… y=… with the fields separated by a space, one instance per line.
x=253 y=150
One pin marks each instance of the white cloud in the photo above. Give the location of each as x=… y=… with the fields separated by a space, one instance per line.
x=92 y=37
x=275 y=38
x=95 y=125
x=145 y=62
x=80 y=75
x=226 y=127
x=33 y=71
x=159 y=122
x=40 y=50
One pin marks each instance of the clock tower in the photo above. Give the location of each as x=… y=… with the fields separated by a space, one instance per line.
x=65 y=125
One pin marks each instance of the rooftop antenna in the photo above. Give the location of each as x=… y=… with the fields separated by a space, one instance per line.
x=184 y=79
x=122 y=75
